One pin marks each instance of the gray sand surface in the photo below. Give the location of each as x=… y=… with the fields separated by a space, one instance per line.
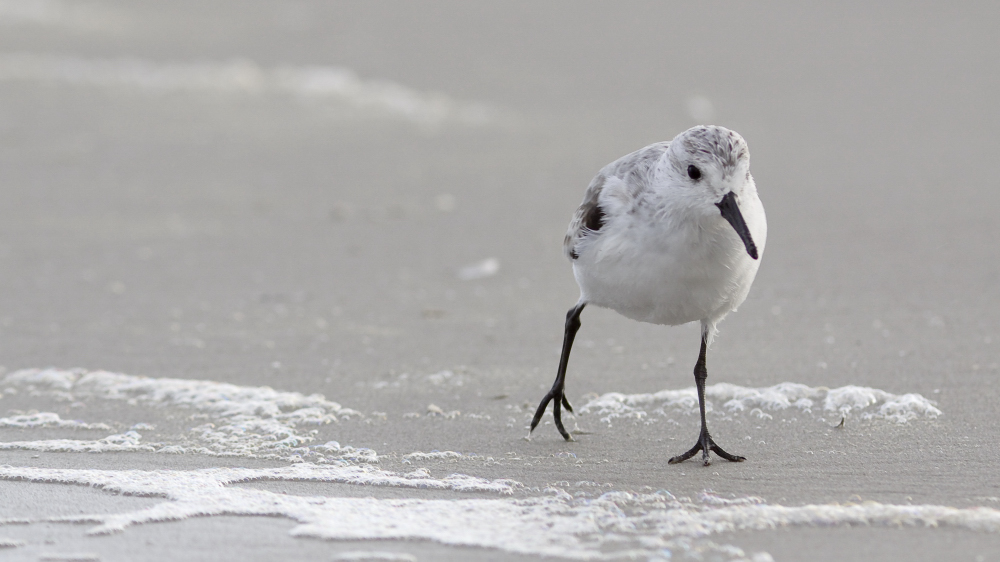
x=269 y=239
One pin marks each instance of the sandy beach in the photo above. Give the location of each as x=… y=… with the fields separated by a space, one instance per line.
x=284 y=280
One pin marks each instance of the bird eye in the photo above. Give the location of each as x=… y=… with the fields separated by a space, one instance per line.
x=693 y=172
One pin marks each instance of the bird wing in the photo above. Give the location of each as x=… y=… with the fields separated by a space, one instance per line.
x=613 y=191
x=588 y=217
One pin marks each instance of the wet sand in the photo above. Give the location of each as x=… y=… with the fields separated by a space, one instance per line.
x=250 y=232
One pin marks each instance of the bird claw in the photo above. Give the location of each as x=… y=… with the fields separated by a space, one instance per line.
x=705 y=444
x=558 y=399
x=565 y=403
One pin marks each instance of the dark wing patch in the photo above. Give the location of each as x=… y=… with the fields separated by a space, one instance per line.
x=633 y=173
x=594 y=218
x=588 y=216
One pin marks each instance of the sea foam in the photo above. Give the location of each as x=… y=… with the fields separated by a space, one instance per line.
x=237 y=420
x=610 y=526
x=855 y=401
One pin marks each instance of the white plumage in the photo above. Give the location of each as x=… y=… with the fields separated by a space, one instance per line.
x=669 y=234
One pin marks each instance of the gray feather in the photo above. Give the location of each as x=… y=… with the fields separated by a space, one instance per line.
x=635 y=170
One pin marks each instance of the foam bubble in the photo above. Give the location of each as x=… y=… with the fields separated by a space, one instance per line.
x=863 y=402
x=47 y=419
x=433 y=455
x=119 y=443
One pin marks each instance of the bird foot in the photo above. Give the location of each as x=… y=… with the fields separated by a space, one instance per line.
x=561 y=401
x=706 y=444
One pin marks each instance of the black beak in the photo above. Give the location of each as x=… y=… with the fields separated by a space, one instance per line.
x=731 y=212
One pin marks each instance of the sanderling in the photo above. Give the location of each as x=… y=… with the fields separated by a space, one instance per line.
x=669 y=234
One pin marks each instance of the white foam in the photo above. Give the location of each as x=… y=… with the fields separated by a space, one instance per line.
x=128 y=442
x=612 y=525
x=863 y=402
x=433 y=455
x=47 y=419
x=260 y=421
x=445 y=456
x=310 y=84
x=238 y=420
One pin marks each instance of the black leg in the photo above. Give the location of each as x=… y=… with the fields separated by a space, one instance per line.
x=556 y=394
x=705 y=442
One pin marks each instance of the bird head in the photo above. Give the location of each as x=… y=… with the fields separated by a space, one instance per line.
x=711 y=166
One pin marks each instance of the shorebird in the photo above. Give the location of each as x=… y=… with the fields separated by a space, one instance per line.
x=669 y=234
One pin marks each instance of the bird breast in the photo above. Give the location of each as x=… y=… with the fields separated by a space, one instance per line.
x=668 y=271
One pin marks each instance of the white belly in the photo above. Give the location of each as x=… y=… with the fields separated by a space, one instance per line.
x=671 y=278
